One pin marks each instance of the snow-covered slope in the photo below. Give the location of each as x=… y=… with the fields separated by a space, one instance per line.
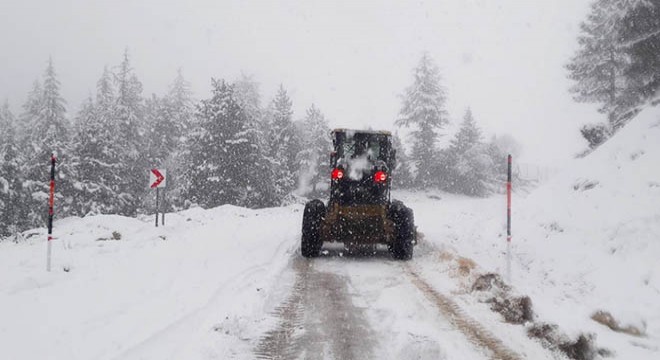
x=586 y=241
x=590 y=239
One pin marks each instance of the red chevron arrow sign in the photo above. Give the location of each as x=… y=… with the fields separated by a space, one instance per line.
x=157 y=178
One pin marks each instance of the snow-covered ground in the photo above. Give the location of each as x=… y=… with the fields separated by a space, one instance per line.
x=158 y=291
x=590 y=240
x=586 y=241
x=207 y=285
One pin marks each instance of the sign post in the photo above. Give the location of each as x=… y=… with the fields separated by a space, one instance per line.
x=157 y=179
x=162 y=214
x=508 y=220
x=156 y=207
x=51 y=205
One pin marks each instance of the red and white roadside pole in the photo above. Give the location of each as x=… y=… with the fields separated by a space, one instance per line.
x=51 y=203
x=508 y=221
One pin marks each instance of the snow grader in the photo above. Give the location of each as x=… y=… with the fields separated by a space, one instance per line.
x=359 y=213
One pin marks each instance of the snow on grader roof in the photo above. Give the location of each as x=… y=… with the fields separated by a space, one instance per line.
x=353 y=131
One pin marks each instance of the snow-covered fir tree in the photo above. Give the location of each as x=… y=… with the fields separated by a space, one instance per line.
x=262 y=192
x=402 y=175
x=28 y=118
x=283 y=144
x=129 y=115
x=470 y=166
x=105 y=153
x=27 y=121
x=424 y=111
x=246 y=90
x=468 y=135
x=97 y=154
x=49 y=134
x=640 y=37
x=161 y=132
x=223 y=152
x=180 y=101
x=12 y=196
x=614 y=63
x=105 y=97
x=180 y=105
x=314 y=154
x=598 y=66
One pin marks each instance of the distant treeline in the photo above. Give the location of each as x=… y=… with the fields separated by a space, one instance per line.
x=228 y=148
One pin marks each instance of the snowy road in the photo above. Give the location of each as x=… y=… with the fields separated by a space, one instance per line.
x=356 y=307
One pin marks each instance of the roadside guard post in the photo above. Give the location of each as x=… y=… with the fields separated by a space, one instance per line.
x=51 y=205
x=157 y=180
x=508 y=220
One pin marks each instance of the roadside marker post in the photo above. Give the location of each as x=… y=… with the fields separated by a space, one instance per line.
x=508 y=220
x=51 y=206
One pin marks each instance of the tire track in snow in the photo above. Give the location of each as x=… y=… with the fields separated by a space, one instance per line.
x=318 y=320
x=280 y=342
x=472 y=329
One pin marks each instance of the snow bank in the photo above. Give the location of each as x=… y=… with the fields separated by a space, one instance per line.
x=129 y=283
x=592 y=235
x=588 y=240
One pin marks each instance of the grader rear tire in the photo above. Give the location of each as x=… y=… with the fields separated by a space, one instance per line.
x=313 y=215
x=404 y=228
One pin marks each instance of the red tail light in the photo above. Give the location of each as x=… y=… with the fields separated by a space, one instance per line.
x=380 y=176
x=337 y=174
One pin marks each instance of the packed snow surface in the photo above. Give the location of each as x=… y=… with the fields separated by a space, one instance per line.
x=206 y=284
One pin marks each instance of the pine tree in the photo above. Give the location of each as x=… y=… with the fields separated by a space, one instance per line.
x=105 y=96
x=49 y=135
x=640 y=37
x=180 y=106
x=129 y=117
x=401 y=176
x=105 y=154
x=28 y=118
x=161 y=133
x=94 y=176
x=284 y=144
x=222 y=151
x=424 y=110
x=469 y=163
x=246 y=91
x=12 y=196
x=312 y=159
x=28 y=121
x=468 y=135
x=180 y=102
x=262 y=189
x=600 y=68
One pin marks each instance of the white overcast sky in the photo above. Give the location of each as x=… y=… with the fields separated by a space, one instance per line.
x=353 y=59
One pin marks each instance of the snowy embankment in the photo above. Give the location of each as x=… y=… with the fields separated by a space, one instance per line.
x=586 y=241
x=205 y=270
x=590 y=239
